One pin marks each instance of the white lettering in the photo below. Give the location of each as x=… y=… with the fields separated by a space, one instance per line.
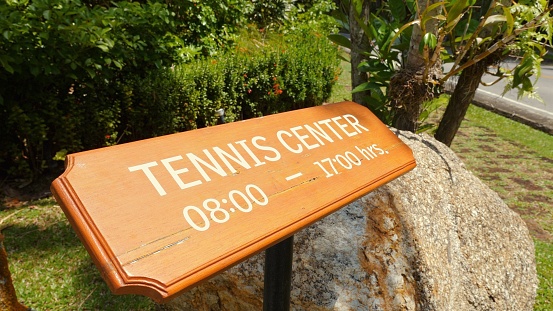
x=214 y=166
x=250 y=152
x=325 y=122
x=303 y=137
x=350 y=118
x=146 y=169
x=279 y=136
x=239 y=159
x=175 y=173
x=266 y=148
x=367 y=153
x=343 y=126
x=318 y=134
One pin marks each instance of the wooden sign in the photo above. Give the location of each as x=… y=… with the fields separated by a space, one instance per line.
x=160 y=215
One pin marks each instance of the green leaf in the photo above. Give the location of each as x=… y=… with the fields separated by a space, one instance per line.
x=91 y=72
x=347 y=60
x=357 y=6
x=495 y=19
x=103 y=47
x=398 y=9
x=429 y=13
x=4 y=61
x=366 y=87
x=340 y=40
x=398 y=33
x=117 y=64
x=429 y=40
x=510 y=20
x=60 y=155
x=520 y=72
x=456 y=10
x=46 y=14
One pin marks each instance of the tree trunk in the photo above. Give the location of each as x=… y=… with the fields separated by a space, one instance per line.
x=8 y=298
x=359 y=44
x=413 y=84
x=459 y=102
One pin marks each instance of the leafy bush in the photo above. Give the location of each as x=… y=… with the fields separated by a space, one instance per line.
x=210 y=25
x=82 y=74
x=282 y=74
x=60 y=64
x=46 y=118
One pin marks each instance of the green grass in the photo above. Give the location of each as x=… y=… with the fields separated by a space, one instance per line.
x=544 y=258
x=342 y=89
x=50 y=268
x=537 y=141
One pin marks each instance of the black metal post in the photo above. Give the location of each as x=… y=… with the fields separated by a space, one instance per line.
x=278 y=276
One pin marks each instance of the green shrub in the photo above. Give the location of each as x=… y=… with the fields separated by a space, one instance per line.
x=80 y=75
x=210 y=25
x=60 y=65
x=292 y=72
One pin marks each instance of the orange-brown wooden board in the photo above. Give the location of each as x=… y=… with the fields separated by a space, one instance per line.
x=160 y=215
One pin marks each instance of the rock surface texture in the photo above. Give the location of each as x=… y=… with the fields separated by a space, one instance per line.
x=436 y=239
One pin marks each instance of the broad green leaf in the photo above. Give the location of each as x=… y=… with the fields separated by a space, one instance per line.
x=429 y=40
x=520 y=72
x=368 y=27
x=117 y=64
x=366 y=87
x=341 y=19
x=103 y=47
x=495 y=19
x=4 y=61
x=456 y=10
x=397 y=8
x=340 y=40
x=357 y=6
x=411 y=6
x=46 y=14
x=403 y=29
x=342 y=57
x=510 y=20
x=461 y=29
x=91 y=72
x=428 y=13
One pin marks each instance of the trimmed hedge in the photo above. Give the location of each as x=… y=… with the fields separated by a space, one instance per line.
x=279 y=76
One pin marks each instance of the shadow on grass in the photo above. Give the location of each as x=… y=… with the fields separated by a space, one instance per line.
x=51 y=268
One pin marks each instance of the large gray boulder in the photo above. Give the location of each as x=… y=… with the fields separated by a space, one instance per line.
x=436 y=238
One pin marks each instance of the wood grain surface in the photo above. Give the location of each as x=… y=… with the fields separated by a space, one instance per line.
x=160 y=215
